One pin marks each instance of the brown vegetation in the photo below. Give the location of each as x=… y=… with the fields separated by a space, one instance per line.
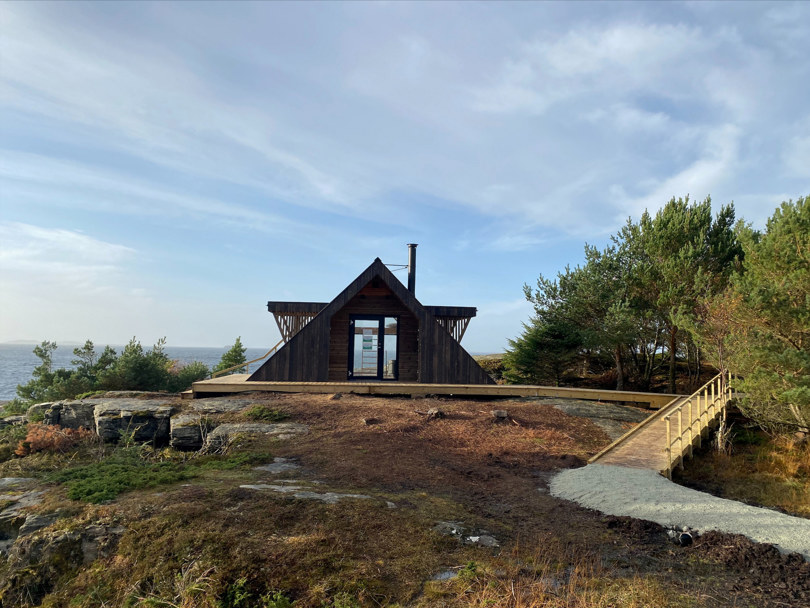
x=761 y=469
x=206 y=539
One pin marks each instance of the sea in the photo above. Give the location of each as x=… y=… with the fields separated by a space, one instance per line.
x=17 y=361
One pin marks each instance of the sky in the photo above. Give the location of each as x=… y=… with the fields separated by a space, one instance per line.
x=168 y=168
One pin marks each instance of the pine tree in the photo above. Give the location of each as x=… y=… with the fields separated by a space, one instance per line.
x=770 y=323
x=234 y=356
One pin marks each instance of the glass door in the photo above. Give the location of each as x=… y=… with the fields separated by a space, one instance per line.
x=373 y=347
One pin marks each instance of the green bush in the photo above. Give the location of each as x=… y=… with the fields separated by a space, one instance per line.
x=130 y=468
x=276 y=600
x=136 y=369
x=14 y=407
x=181 y=378
x=266 y=414
x=122 y=472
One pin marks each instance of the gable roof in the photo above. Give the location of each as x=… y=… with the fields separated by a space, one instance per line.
x=287 y=362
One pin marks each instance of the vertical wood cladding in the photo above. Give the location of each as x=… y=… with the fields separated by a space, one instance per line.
x=320 y=351
x=380 y=301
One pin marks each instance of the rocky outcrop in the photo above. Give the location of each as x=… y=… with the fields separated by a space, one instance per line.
x=219 y=405
x=147 y=420
x=67 y=414
x=188 y=431
x=150 y=420
x=225 y=433
x=9 y=420
x=36 y=562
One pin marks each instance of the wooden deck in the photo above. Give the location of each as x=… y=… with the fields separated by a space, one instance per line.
x=237 y=383
x=643 y=447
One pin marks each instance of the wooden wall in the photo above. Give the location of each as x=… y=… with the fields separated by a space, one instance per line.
x=381 y=302
x=319 y=352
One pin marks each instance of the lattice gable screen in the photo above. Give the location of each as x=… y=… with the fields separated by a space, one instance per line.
x=290 y=323
x=455 y=326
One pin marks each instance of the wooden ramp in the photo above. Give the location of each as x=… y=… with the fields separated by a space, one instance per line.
x=237 y=383
x=661 y=441
x=643 y=447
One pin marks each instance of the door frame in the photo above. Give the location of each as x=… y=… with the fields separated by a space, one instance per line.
x=380 y=319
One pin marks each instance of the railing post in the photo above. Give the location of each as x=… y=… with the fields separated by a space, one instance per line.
x=669 y=449
x=691 y=424
x=700 y=421
x=680 y=437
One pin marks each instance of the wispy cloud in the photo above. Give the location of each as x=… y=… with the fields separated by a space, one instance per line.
x=213 y=134
x=62 y=261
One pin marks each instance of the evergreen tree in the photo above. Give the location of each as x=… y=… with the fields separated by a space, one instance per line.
x=234 y=356
x=770 y=320
x=137 y=369
x=543 y=353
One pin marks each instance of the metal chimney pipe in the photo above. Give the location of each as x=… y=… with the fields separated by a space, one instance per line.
x=412 y=267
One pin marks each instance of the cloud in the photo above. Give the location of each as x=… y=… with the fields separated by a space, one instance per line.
x=61 y=255
x=699 y=179
x=796 y=156
x=497 y=129
x=618 y=60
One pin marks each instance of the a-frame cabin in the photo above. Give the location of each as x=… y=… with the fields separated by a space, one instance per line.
x=374 y=330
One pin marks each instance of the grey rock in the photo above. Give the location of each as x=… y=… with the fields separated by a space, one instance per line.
x=98 y=541
x=146 y=419
x=37 y=561
x=500 y=415
x=13 y=516
x=77 y=414
x=68 y=414
x=220 y=405
x=299 y=492
x=11 y=520
x=15 y=419
x=459 y=531
x=279 y=465
x=483 y=540
x=37 y=411
x=7 y=483
x=226 y=432
x=450 y=528
x=188 y=431
x=37 y=522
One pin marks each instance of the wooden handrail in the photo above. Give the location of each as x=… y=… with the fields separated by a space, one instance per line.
x=710 y=402
x=246 y=365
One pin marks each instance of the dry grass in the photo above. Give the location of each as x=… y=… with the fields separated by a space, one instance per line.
x=193 y=543
x=765 y=470
x=550 y=575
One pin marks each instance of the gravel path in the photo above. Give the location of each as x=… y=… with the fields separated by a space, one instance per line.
x=645 y=494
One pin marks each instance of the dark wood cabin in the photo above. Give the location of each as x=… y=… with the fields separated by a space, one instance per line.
x=374 y=330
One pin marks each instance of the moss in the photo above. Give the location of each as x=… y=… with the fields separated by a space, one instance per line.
x=265 y=414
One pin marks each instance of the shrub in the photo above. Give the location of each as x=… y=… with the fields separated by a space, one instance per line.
x=266 y=414
x=51 y=438
x=182 y=376
x=102 y=481
x=14 y=407
x=276 y=600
